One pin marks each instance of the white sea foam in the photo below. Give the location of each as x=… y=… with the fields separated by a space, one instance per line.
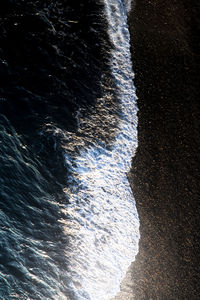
x=128 y=4
x=101 y=220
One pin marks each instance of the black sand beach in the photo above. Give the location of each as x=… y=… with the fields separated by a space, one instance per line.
x=53 y=56
x=165 y=175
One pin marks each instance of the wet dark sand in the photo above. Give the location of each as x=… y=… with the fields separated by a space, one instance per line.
x=165 y=176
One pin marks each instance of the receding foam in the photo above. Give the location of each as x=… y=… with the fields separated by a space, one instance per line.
x=101 y=218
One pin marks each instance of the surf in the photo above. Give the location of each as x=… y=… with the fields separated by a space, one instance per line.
x=100 y=217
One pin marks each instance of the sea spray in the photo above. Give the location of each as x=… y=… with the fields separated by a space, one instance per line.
x=101 y=219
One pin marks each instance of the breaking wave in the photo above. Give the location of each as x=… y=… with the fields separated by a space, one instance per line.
x=101 y=219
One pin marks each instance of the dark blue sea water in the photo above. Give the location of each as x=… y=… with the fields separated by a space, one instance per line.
x=69 y=227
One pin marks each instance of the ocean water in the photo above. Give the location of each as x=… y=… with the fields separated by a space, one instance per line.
x=69 y=223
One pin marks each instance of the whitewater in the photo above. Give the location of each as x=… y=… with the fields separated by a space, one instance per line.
x=100 y=218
